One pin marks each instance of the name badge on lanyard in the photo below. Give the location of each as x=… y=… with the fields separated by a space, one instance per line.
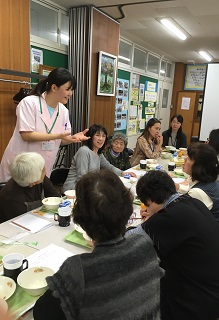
x=48 y=145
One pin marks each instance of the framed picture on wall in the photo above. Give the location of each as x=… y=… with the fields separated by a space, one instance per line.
x=106 y=74
x=45 y=70
x=36 y=59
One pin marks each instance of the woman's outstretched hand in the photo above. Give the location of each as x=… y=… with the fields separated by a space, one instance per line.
x=77 y=137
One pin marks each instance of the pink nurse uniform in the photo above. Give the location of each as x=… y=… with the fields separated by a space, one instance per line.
x=30 y=118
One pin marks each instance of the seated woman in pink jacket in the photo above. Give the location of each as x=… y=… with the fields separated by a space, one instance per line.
x=149 y=144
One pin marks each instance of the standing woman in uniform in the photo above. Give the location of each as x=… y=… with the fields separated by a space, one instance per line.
x=43 y=121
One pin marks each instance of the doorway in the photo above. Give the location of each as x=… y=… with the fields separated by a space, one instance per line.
x=164 y=103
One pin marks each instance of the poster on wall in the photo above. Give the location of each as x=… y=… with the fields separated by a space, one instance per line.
x=36 y=59
x=195 y=77
x=150 y=96
x=132 y=127
x=150 y=86
x=135 y=87
x=121 y=111
x=141 y=92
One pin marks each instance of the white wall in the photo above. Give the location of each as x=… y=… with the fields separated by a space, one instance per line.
x=210 y=109
x=132 y=141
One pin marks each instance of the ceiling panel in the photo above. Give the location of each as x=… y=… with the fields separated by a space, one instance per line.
x=200 y=18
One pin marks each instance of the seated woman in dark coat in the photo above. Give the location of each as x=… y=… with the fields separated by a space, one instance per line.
x=120 y=278
x=174 y=135
x=27 y=187
x=117 y=153
x=186 y=237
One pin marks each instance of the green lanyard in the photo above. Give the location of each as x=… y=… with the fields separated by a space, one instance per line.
x=41 y=111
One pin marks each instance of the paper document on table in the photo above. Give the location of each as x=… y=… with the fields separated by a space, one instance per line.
x=31 y=223
x=51 y=256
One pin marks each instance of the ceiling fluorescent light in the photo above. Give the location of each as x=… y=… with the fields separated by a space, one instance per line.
x=124 y=58
x=173 y=28
x=205 y=55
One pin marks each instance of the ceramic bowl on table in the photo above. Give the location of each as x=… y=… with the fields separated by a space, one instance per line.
x=52 y=203
x=152 y=166
x=70 y=194
x=165 y=155
x=33 y=280
x=151 y=161
x=179 y=162
x=179 y=172
x=7 y=287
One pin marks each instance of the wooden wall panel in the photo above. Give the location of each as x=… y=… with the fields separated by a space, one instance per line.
x=178 y=84
x=14 y=55
x=105 y=37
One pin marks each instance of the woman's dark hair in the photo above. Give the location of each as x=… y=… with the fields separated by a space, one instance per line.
x=214 y=139
x=205 y=166
x=146 y=133
x=58 y=76
x=95 y=128
x=179 y=132
x=178 y=117
x=156 y=186
x=103 y=205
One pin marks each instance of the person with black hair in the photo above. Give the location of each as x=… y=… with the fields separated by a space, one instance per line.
x=202 y=166
x=186 y=238
x=174 y=135
x=148 y=145
x=214 y=140
x=89 y=157
x=120 y=278
x=43 y=121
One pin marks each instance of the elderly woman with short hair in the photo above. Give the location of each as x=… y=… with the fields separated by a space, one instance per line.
x=117 y=153
x=27 y=187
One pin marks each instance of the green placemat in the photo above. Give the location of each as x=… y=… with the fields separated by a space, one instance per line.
x=20 y=302
x=179 y=175
x=43 y=209
x=77 y=238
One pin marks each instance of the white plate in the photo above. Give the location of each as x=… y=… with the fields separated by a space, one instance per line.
x=178 y=180
x=7 y=287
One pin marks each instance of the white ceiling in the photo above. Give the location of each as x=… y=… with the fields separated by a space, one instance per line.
x=200 y=18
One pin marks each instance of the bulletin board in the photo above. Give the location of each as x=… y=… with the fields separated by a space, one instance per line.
x=122 y=101
x=143 y=102
x=136 y=97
